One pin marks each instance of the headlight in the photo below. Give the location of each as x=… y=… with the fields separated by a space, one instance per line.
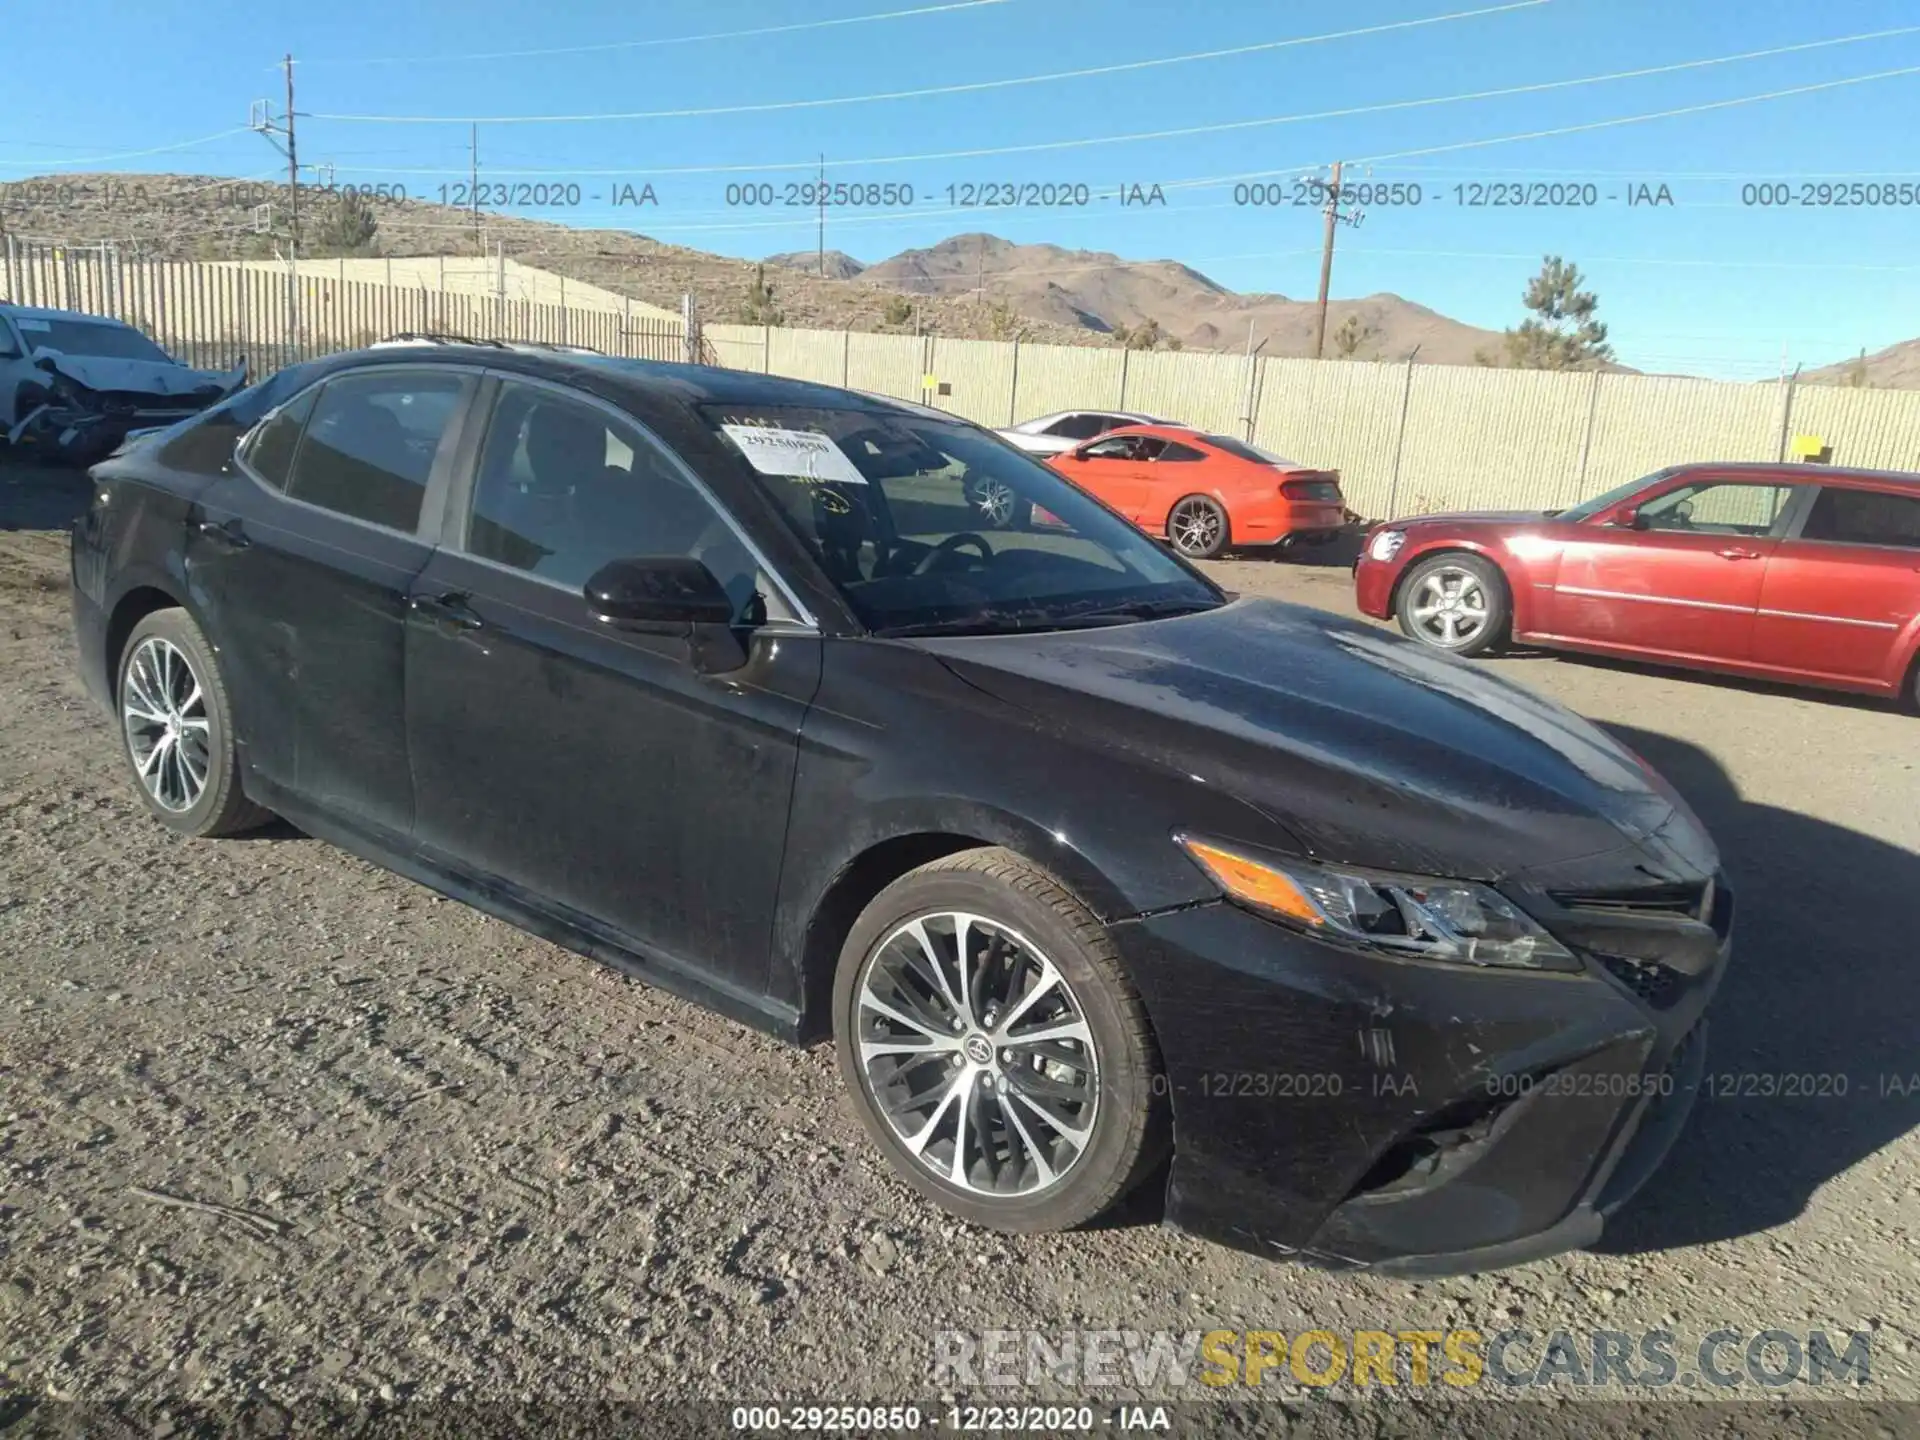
x=1386 y=544
x=1415 y=915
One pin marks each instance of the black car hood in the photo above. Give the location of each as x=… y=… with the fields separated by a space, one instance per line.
x=1354 y=744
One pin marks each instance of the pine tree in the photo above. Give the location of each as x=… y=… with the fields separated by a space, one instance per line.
x=1562 y=333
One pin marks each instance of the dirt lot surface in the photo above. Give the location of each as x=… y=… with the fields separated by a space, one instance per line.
x=275 y=1123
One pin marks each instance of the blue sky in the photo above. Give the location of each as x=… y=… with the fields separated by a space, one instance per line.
x=1708 y=285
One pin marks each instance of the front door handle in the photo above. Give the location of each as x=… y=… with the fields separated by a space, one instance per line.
x=1737 y=554
x=448 y=609
x=227 y=535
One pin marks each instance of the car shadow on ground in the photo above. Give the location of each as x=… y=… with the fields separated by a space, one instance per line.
x=1338 y=553
x=1846 y=699
x=1811 y=1061
x=39 y=497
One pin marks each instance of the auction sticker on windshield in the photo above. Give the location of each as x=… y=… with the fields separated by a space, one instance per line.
x=803 y=453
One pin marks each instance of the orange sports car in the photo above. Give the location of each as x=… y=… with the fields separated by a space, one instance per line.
x=1206 y=492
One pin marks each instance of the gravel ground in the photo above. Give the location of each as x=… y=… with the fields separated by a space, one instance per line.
x=274 y=1123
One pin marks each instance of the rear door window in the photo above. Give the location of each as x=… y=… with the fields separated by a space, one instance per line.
x=1864 y=517
x=369 y=445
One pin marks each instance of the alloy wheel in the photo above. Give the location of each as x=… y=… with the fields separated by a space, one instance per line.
x=977 y=1054
x=164 y=711
x=994 y=500
x=1195 y=527
x=1450 y=606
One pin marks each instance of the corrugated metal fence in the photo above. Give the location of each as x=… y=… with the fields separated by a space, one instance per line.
x=1405 y=438
x=212 y=315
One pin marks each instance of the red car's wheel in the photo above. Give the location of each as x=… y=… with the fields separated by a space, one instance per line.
x=1198 y=528
x=1457 y=603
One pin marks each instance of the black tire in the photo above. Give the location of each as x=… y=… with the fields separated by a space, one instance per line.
x=1465 y=579
x=221 y=806
x=1198 y=527
x=1131 y=1126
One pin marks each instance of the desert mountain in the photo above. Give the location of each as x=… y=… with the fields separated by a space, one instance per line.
x=839 y=264
x=1103 y=292
x=1895 y=368
x=971 y=285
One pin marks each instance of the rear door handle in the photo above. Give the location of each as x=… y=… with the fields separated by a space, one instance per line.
x=228 y=535
x=449 y=609
x=1733 y=554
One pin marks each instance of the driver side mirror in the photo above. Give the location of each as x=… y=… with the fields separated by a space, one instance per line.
x=1076 y=454
x=1630 y=519
x=664 y=594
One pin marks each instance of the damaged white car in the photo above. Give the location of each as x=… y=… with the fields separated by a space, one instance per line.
x=74 y=385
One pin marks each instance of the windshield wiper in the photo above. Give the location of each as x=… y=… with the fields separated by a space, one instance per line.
x=998 y=624
x=1011 y=622
x=1141 y=610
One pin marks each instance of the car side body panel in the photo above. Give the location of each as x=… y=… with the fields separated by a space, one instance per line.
x=1770 y=607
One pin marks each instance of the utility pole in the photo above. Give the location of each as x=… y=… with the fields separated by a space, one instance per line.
x=473 y=181
x=1335 y=219
x=260 y=119
x=821 y=195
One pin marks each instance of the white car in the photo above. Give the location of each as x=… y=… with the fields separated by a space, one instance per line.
x=1059 y=432
x=77 y=384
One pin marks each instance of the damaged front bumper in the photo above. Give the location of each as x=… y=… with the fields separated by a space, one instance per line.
x=75 y=433
x=1355 y=1110
x=73 y=423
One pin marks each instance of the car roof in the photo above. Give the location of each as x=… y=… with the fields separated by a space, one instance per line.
x=1800 y=471
x=41 y=312
x=642 y=381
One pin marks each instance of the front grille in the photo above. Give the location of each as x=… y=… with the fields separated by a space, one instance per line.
x=1656 y=985
x=1688 y=902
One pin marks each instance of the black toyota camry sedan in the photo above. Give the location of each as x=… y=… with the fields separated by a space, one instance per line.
x=1090 y=871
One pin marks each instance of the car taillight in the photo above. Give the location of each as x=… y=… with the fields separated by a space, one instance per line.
x=1325 y=491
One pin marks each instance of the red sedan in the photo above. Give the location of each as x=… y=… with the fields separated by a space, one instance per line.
x=1783 y=572
x=1206 y=492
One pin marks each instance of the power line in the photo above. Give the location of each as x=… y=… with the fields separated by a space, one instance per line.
x=1190 y=130
x=1714 y=262
x=127 y=154
x=666 y=40
x=967 y=88
x=907 y=216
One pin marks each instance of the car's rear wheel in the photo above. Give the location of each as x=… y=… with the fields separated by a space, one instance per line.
x=1198 y=527
x=994 y=1048
x=176 y=729
x=1456 y=603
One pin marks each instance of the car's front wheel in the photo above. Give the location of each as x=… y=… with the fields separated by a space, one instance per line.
x=1456 y=603
x=994 y=1048
x=176 y=729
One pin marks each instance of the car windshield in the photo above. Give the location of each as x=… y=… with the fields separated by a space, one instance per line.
x=1248 y=452
x=1587 y=509
x=930 y=526
x=90 y=337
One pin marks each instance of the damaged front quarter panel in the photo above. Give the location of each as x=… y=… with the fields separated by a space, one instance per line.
x=86 y=405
